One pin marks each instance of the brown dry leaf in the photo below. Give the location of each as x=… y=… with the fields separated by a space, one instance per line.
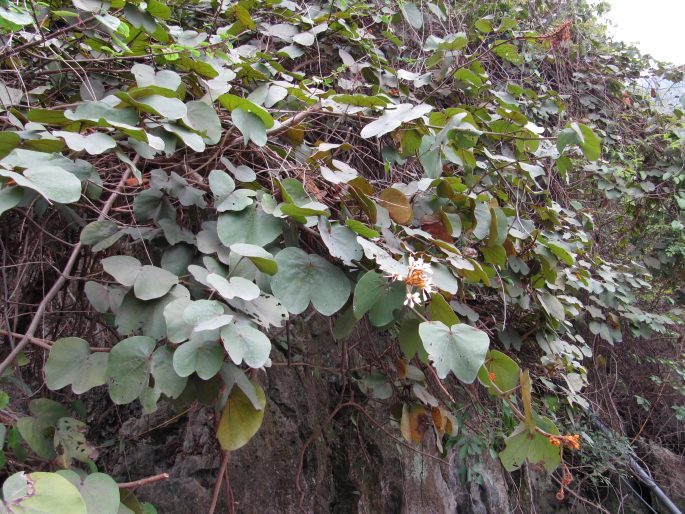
x=509 y=247
x=414 y=423
x=436 y=228
x=401 y=367
x=397 y=204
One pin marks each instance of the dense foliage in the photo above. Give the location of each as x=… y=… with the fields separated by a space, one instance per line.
x=179 y=179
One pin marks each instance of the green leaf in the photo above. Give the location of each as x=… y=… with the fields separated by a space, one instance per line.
x=392 y=119
x=202 y=118
x=552 y=305
x=221 y=184
x=99 y=491
x=128 y=368
x=71 y=362
x=340 y=241
x=561 y=252
x=262 y=259
x=153 y=282
x=37 y=435
x=252 y=226
x=533 y=446
x=506 y=372
x=235 y=287
x=368 y=292
x=95 y=143
x=361 y=229
x=245 y=343
x=123 y=268
x=483 y=220
x=232 y=102
x=591 y=145
x=191 y=139
x=459 y=348
x=10 y=198
x=52 y=182
x=303 y=278
x=198 y=356
x=158 y=10
x=42 y=493
x=97 y=231
x=567 y=137
x=166 y=378
x=251 y=127
x=440 y=310
x=236 y=201
x=240 y=420
x=412 y=15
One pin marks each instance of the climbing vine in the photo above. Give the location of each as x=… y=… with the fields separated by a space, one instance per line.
x=203 y=172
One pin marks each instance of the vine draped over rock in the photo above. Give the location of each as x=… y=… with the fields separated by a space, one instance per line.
x=230 y=166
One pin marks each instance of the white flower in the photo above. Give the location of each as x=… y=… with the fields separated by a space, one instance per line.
x=412 y=298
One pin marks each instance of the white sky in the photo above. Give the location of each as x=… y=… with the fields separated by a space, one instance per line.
x=656 y=26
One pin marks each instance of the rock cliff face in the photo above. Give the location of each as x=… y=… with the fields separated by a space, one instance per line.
x=353 y=466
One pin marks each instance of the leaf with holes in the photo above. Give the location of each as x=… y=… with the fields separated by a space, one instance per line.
x=128 y=369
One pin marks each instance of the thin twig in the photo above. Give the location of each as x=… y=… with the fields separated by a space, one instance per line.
x=219 y=480
x=66 y=271
x=144 y=481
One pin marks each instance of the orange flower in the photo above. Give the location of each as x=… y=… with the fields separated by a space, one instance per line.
x=573 y=441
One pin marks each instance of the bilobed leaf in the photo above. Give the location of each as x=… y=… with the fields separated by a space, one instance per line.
x=198 y=356
x=393 y=118
x=250 y=125
x=153 y=282
x=245 y=343
x=591 y=145
x=533 y=446
x=235 y=287
x=440 y=310
x=94 y=144
x=340 y=241
x=42 y=493
x=303 y=278
x=128 y=368
x=361 y=229
x=240 y=421
x=52 y=182
x=166 y=378
x=459 y=348
x=71 y=362
x=97 y=231
x=123 y=268
x=221 y=184
x=99 y=491
x=252 y=226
